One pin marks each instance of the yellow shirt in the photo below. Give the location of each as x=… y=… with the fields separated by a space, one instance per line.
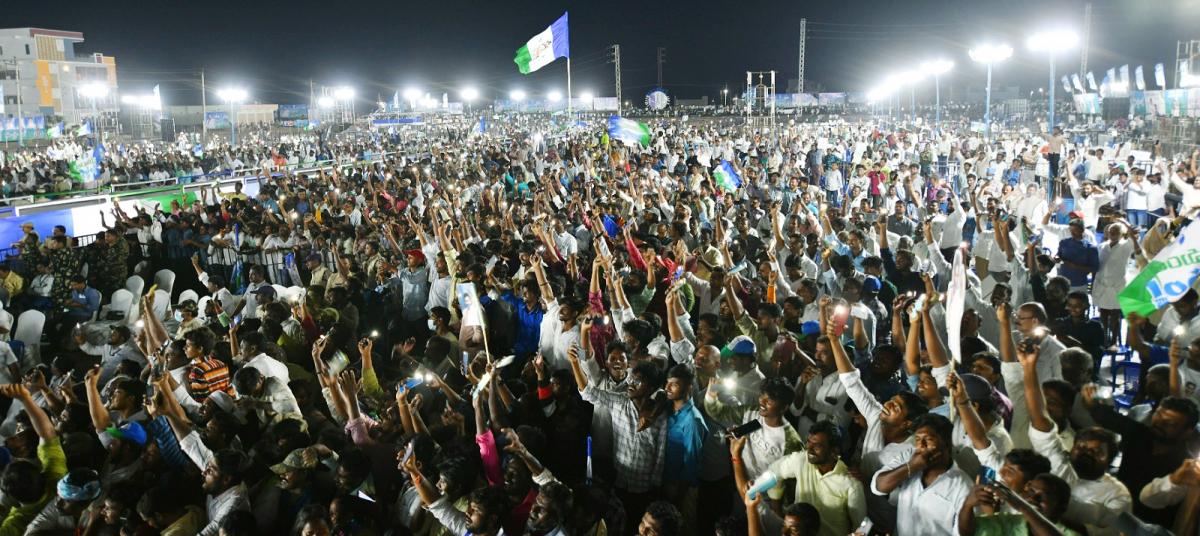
x=836 y=495
x=13 y=284
x=54 y=467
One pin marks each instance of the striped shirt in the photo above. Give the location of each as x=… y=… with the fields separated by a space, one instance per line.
x=207 y=376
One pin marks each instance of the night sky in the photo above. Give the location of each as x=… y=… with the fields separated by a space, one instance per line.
x=274 y=48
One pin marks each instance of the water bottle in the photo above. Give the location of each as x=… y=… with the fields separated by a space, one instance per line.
x=762 y=484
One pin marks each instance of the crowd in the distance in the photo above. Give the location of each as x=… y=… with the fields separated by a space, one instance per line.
x=543 y=331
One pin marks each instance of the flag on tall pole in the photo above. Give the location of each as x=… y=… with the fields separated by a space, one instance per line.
x=545 y=47
x=1125 y=77
x=1091 y=80
x=1160 y=77
x=1139 y=78
x=1077 y=83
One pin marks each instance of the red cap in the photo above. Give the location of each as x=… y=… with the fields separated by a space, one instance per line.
x=416 y=253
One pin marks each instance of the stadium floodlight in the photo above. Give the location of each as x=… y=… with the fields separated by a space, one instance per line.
x=516 y=95
x=232 y=95
x=989 y=54
x=469 y=94
x=1052 y=42
x=94 y=90
x=937 y=68
x=554 y=96
x=343 y=93
x=325 y=102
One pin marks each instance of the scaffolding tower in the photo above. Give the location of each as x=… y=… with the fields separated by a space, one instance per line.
x=1187 y=60
x=760 y=101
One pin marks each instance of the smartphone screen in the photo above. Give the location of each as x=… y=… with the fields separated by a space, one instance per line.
x=742 y=430
x=987 y=475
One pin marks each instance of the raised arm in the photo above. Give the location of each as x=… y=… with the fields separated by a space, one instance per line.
x=972 y=424
x=99 y=413
x=1035 y=399
x=37 y=416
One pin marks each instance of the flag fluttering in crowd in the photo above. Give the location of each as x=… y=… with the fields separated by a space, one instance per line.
x=726 y=177
x=629 y=131
x=1167 y=277
x=543 y=48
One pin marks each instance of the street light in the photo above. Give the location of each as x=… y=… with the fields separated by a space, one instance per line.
x=1052 y=42
x=989 y=55
x=469 y=94
x=412 y=95
x=937 y=68
x=911 y=79
x=232 y=96
x=725 y=95
x=345 y=94
x=94 y=91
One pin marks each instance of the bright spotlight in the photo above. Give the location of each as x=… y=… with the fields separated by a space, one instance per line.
x=1053 y=41
x=94 y=90
x=990 y=53
x=937 y=67
x=232 y=94
x=554 y=96
x=343 y=93
x=469 y=94
x=587 y=96
x=325 y=102
x=517 y=95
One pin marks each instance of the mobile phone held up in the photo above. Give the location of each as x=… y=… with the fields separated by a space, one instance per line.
x=744 y=429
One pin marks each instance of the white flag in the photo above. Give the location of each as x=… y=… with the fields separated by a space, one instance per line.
x=956 y=299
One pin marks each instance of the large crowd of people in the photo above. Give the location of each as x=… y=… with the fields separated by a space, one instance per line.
x=868 y=329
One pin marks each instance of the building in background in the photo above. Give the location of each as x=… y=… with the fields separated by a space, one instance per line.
x=41 y=66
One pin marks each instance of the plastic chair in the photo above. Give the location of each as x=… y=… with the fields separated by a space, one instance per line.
x=162 y=303
x=186 y=295
x=29 y=331
x=165 y=279
x=121 y=300
x=135 y=284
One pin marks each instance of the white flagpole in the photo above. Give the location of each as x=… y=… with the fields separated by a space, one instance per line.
x=569 y=112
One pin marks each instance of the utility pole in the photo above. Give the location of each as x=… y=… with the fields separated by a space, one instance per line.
x=800 y=69
x=662 y=58
x=1087 y=38
x=616 y=59
x=203 y=110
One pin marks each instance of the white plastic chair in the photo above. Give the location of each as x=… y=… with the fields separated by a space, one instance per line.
x=6 y=320
x=121 y=300
x=202 y=305
x=29 y=331
x=162 y=303
x=165 y=279
x=186 y=295
x=135 y=284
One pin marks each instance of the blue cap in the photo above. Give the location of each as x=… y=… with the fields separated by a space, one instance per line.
x=810 y=328
x=743 y=345
x=130 y=431
x=871 y=284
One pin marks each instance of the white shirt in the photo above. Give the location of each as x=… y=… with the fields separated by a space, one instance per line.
x=1166 y=328
x=924 y=510
x=269 y=367
x=1094 y=503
